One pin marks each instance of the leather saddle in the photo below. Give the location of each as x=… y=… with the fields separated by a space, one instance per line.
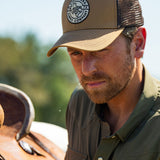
x=17 y=142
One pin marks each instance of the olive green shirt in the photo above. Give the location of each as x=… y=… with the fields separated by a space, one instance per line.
x=138 y=139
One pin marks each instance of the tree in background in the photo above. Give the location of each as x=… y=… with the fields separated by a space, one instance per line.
x=49 y=82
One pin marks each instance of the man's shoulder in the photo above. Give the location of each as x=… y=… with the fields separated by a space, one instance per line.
x=80 y=104
x=79 y=95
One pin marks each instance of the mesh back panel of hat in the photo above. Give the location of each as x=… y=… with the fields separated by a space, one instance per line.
x=129 y=13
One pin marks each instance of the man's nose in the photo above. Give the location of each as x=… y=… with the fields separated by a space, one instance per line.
x=88 y=66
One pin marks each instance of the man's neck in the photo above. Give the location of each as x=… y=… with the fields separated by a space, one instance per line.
x=120 y=107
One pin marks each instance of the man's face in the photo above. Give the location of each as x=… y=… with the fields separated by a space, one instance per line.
x=105 y=73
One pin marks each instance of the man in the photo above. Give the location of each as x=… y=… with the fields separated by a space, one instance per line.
x=116 y=113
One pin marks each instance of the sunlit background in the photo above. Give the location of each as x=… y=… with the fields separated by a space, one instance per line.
x=28 y=29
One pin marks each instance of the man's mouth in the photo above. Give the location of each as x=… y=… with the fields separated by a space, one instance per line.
x=95 y=84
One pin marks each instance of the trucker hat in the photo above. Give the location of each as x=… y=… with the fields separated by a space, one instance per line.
x=92 y=25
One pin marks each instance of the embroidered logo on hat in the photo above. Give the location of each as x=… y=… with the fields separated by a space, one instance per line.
x=77 y=11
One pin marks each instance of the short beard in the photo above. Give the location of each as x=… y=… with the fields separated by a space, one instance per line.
x=113 y=86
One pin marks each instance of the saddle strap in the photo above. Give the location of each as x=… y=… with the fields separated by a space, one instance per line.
x=40 y=144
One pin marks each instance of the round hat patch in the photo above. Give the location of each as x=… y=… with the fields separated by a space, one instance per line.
x=77 y=11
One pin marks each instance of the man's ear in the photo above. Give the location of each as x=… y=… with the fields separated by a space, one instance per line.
x=140 y=42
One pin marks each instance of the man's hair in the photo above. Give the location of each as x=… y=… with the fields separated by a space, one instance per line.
x=129 y=33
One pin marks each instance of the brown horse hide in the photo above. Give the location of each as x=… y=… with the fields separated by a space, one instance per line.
x=17 y=142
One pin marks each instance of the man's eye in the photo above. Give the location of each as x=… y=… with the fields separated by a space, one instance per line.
x=75 y=53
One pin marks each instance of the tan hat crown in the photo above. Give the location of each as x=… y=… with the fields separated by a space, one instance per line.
x=96 y=16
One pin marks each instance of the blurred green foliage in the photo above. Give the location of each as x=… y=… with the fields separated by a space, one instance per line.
x=49 y=82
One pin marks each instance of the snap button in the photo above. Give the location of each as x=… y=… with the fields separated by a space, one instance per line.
x=100 y=158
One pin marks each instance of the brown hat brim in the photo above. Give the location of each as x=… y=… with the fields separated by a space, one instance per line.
x=88 y=40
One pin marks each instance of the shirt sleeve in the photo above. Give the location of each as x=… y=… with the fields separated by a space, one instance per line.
x=73 y=129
